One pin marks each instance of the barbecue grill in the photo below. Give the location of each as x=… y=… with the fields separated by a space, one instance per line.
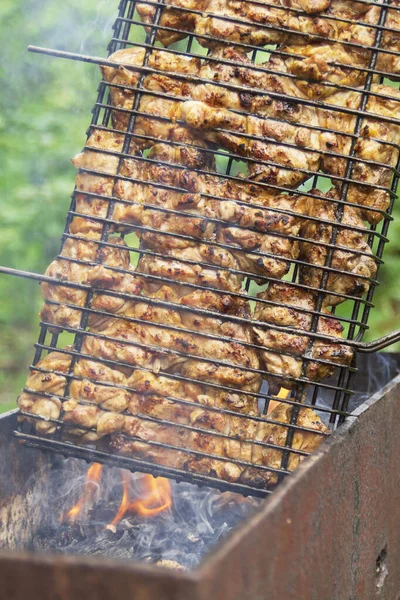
x=328 y=397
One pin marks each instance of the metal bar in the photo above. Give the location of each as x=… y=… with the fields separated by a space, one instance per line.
x=165 y=304
x=141 y=466
x=208 y=384
x=195 y=79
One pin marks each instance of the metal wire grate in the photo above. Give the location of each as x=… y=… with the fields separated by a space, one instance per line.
x=329 y=398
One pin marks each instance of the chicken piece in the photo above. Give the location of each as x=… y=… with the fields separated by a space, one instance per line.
x=316 y=64
x=266 y=248
x=52 y=383
x=277 y=434
x=268 y=123
x=153 y=347
x=173 y=18
x=195 y=158
x=90 y=162
x=254 y=246
x=285 y=353
x=174 y=268
x=92 y=422
x=141 y=439
x=296 y=162
x=250 y=205
x=264 y=233
x=165 y=386
x=156 y=114
x=99 y=384
x=390 y=63
x=249 y=23
x=97 y=403
x=376 y=143
x=361 y=268
x=101 y=275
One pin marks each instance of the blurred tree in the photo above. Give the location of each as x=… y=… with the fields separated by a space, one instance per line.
x=45 y=108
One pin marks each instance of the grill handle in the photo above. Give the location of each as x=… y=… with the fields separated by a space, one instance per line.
x=380 y=343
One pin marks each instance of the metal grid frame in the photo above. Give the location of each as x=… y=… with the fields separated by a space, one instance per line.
x=341 y=388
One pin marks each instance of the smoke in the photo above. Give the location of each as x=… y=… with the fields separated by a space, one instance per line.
x=198 y=519
x=374 y=372
x=377 y=370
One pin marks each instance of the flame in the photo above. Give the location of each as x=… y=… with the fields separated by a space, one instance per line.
x=155 y=498
x=91 y=485
x=283 y=393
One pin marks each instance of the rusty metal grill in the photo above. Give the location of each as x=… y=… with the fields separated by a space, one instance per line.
x=329 y=397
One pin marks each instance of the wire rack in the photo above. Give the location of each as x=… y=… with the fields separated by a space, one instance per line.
x=328 y=398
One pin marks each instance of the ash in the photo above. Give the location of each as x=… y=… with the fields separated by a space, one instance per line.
x=198 y=519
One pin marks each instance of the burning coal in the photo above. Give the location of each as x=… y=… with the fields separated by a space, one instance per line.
x=115 y=513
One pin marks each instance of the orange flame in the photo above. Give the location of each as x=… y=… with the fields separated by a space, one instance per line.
x=283 y=393
x=156 y=498
x=91 y=485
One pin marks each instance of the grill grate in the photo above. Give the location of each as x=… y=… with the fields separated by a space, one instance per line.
x=328 y=398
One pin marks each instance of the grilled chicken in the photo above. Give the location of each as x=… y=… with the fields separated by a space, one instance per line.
x=353 y=260
x=376 y=144
x=231 y=445
x=377 y=139
x=156 y=114
x=97 y=165
x=239 y=21
x=209 y=108
x=251 y=23
x=216 y=220
x=287 y=355
x=49 y=381
x=203 y=236
x=296 y=162
x=272 y=128
x=86 y=262
x=104 y=402
x=305 y=441
x=147 y=345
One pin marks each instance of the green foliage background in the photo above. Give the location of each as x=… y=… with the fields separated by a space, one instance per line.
x=45 y=108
